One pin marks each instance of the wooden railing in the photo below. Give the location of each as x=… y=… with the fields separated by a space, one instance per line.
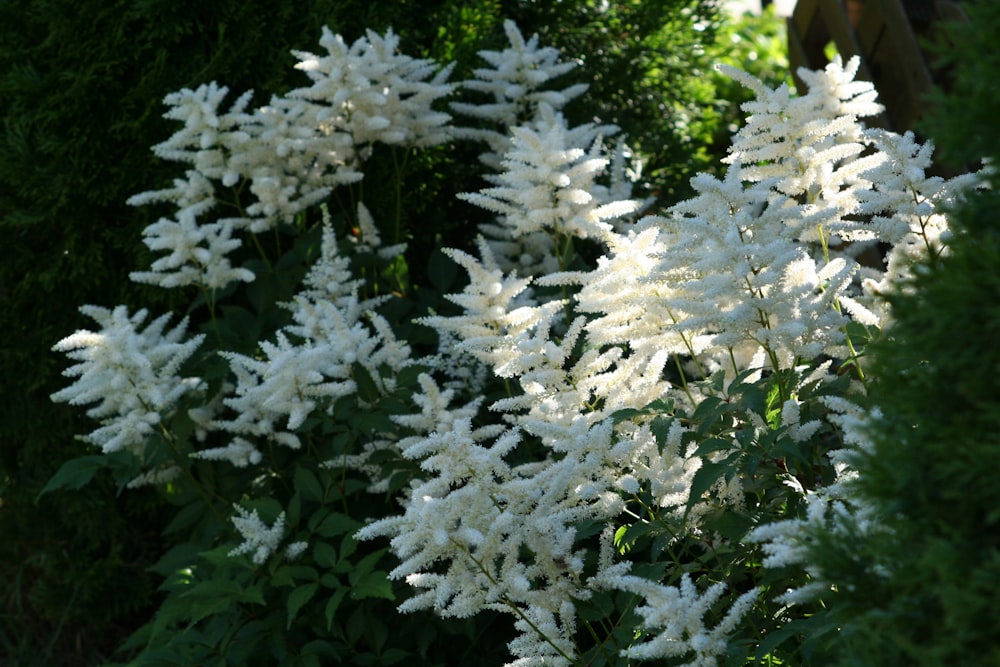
x=889 y=35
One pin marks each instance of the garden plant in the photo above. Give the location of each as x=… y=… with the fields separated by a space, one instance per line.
x=604 y=432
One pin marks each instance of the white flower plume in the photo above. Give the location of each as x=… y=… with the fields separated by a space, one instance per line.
x=373 y=93
x=547 y=182
x=675 y=618
x=130 y=373
x=259 y=539
x=516 y=82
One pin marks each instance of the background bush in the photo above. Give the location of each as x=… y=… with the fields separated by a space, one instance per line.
x=81 y=85
x=930 y=473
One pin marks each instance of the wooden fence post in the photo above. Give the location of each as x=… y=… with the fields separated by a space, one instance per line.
x=887 y=34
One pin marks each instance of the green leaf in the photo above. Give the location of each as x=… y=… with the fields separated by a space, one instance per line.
x=238 y=326
x=442 y=271
x=708 y=412
x=626 y=536
x=321 y=648
x=810 y=627
x=75 y=473
x=295 y=509
x=189 y=515
x=298 y=598
x=287 y=575
x=337 y=524
x=367 y=389
x=710 y=445
x=332 y=605
x=731 y=524
x=306 y=483
x=374 y=584
x=365 y=565
x=348 y=546
x=600 y=605
x=177 y=557
x=324 y=554
x=709 y=473
x=212 y=597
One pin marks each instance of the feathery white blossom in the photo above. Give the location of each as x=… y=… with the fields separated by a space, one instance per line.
x=198 y=254
x=547 y=182
x=276 y=393
x=373 y=93
x=132 y=374
x=675 y=618
x=240 y=452
x=515 y=81
x=259 y=539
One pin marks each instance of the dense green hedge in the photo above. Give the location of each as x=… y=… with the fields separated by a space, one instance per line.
x=932 y=468
x=81 y=85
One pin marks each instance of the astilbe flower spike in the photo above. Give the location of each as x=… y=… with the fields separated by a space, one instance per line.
x=373 y=93
x=274 y=395
x=516 y=83
x=131 y=373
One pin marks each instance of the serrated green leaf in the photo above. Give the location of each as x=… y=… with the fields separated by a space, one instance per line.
x=188 y=516
x=75 y=473
x=332 y=605
x=626 y=539
x=323 y=649
x=442 y=271
x=392 y=656
x=307 y=484
x=177 y=557
x=373 y=584
x=710 y=445
x=298 y=598
x=337 y=524
x=619 y=536
x=601 y=605
x=626 y=414
x=253 y=595
x=731 y=524
x=367 y=389
x=294 y=511
x=211 y=597
x=365 y=565
x=324 y=554
x=287 y=575
x=348 y=546
x=309 y=660
x=707 y=475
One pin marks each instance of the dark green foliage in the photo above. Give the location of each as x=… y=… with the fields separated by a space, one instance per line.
x=81 y=85
x=963 y=120
x=932 y=474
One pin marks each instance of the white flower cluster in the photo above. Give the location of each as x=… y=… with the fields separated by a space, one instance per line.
x=130 y=373
x=373 y=93
x=275 y=394
x=545 y=171
x=546 y=192
x=515 y=81
x=290 y=154
x=757 y=272
x=677 y=614
x=259 y=539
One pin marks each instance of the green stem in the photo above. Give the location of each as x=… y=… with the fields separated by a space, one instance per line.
x=398 y=169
